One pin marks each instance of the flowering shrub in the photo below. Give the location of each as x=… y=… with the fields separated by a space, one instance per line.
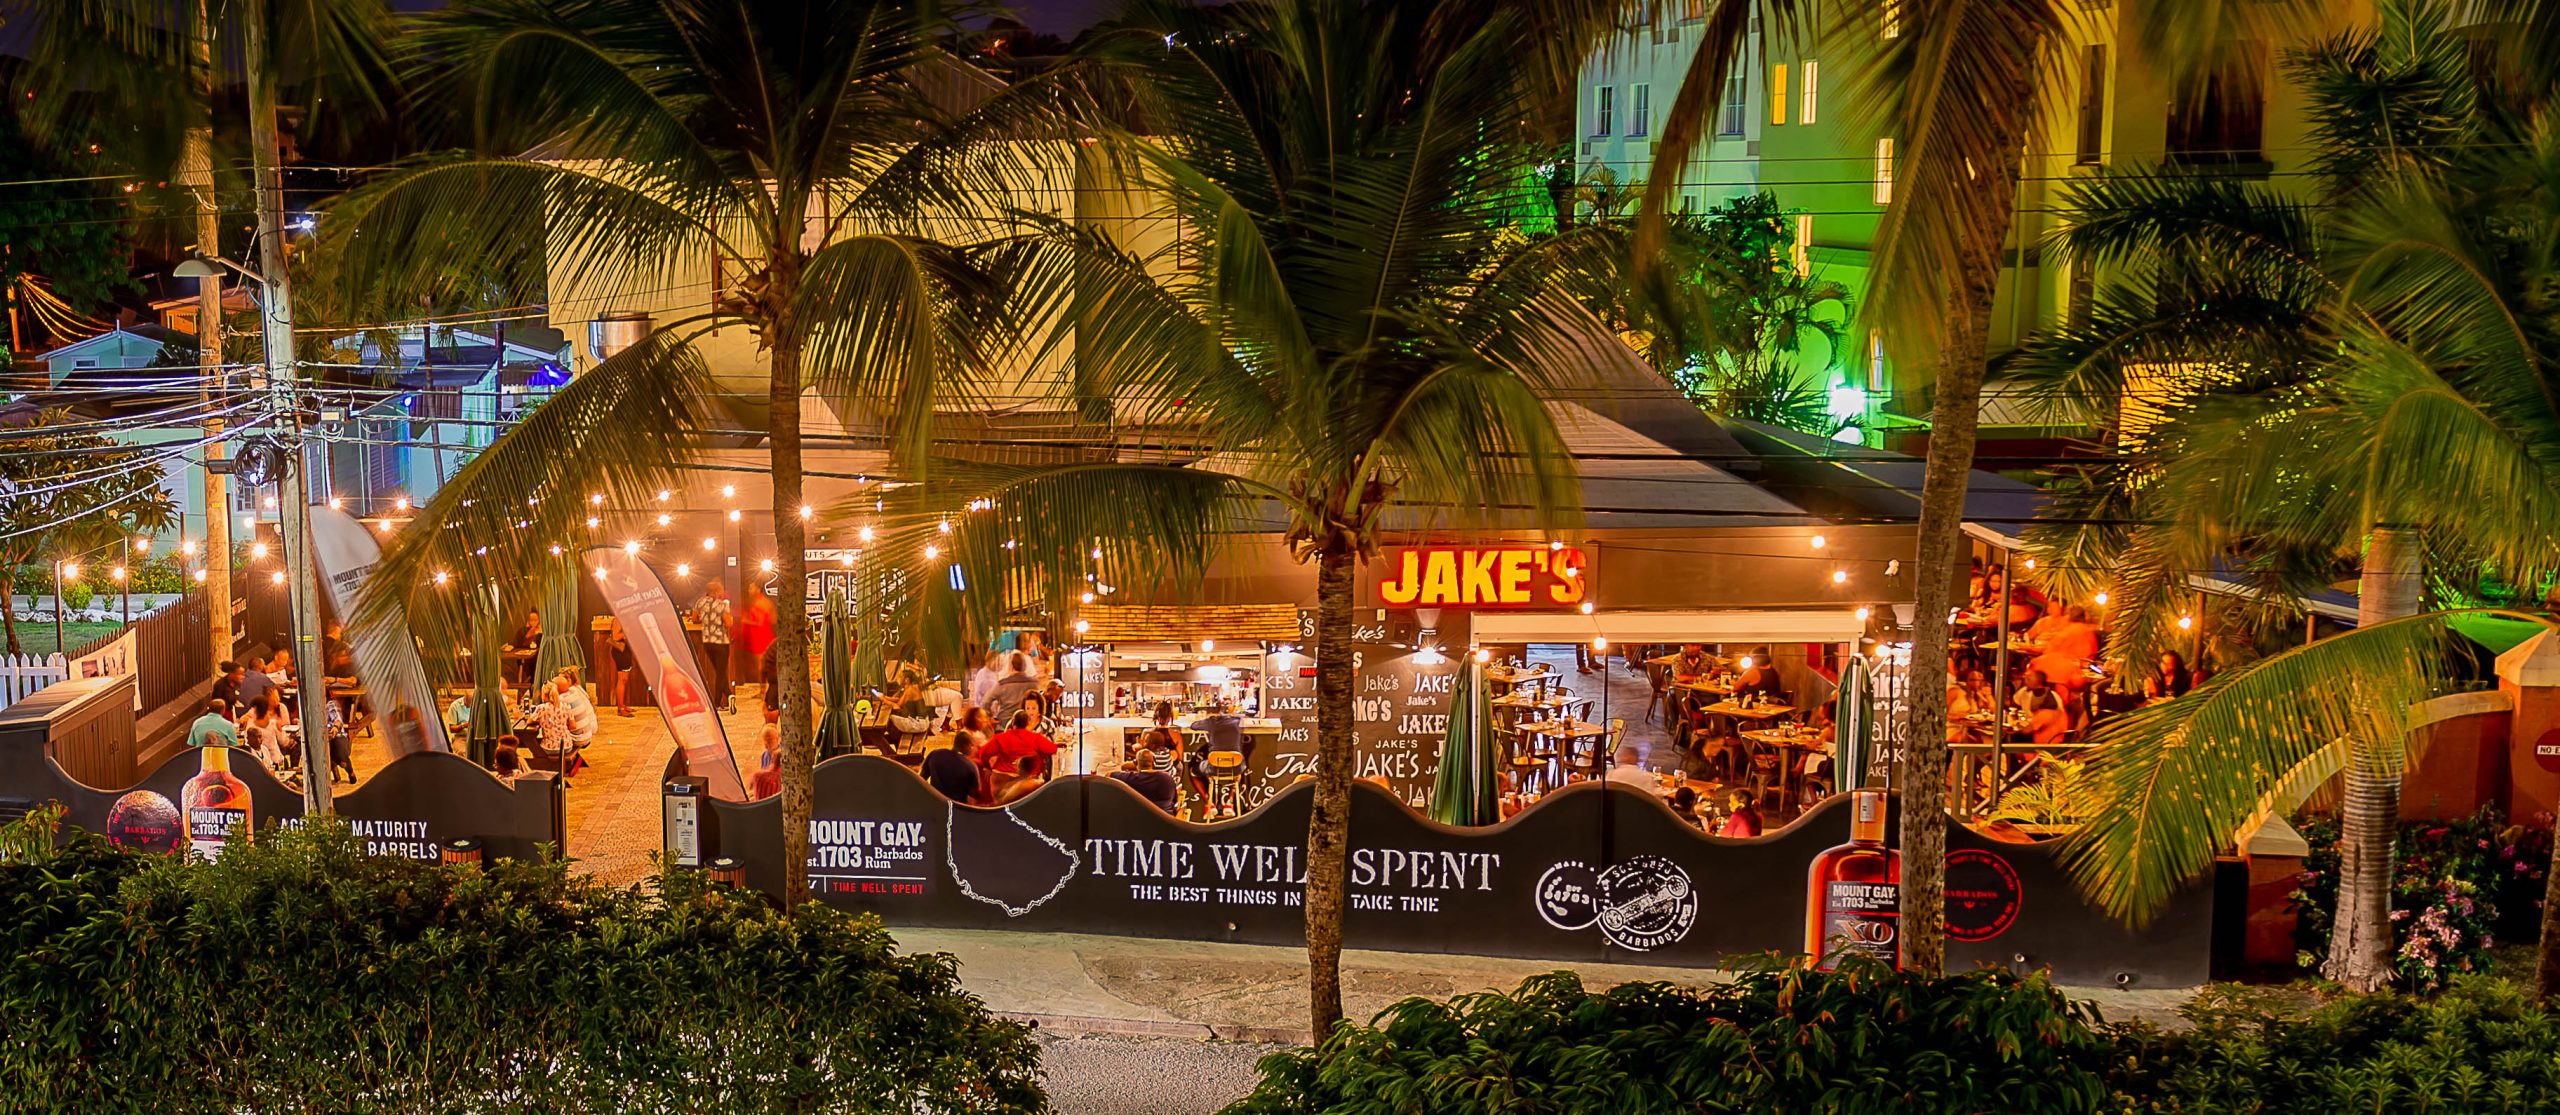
x=2457 y=887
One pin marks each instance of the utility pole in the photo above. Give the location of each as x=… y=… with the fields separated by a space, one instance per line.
x=196 y=173
x=294 y=510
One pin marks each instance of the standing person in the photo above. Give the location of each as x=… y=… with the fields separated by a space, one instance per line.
x=982 y=681
x=582 y=709
x=767 y=780
x=214 y=728
x=619 y=645
x=755 y=637
x=951 y=771
x=526 y=638
x=1015 y=685
x=341 y=748
x=712 y=615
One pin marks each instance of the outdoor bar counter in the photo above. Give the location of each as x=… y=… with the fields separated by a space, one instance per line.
x=1096 y=745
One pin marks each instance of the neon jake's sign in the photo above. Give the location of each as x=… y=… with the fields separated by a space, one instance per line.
x=1483 y=577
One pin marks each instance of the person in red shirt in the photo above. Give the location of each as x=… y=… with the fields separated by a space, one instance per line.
x=755 y=637
x=1004 y=754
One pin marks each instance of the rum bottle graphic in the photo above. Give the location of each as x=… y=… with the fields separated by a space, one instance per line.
x=215 y=806
x=1853 y=892
x=687 y=712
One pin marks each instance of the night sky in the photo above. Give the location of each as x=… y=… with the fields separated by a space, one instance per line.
x=1063 y=18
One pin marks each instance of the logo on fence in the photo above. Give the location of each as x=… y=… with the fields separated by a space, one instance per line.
x=1640 y=905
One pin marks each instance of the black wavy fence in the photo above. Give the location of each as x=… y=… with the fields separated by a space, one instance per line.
x=1598 y=872
x=411 y=807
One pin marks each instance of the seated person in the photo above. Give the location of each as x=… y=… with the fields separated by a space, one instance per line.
x=1744 y=819
x=506 y=762
x=1026 y=778
x=1146 y=772
x=1019 y=741
x=952 y=770
x=1761 y=678
x=1684 y=805
x=1693 y=663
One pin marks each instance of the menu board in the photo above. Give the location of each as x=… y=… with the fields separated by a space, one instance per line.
x=1400 y=716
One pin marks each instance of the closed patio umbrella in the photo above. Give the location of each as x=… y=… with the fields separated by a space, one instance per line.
x=838 y=732
x=559 y=646
x=1465 y=792
x=1853 y=717
x=489 y=713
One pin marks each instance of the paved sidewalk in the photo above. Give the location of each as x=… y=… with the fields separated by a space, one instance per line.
x=1082 y=983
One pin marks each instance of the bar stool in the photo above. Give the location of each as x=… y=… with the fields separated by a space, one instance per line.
x=1226 y=784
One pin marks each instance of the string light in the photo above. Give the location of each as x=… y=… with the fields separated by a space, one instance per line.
x=806 y=511
x=595 y=499
x=710 y=543
x=1097 y=553
x=248 y=522
x=116 y=572
x=2100 y=598
x=664 y=495
x=728 y=491
x=1599 y=642
x=1555 y=544
x=943 y=525
x=845 y=559
x=555 y=549
x=187 y=547
x=1008 y=543
x=1586 y=607
x=440 y=577
x=337 y=504
x=1839 y=576
x=1483 y=656
x=684 y=569
x=1208 y=646
x=931 y=551
x=269 y=503
x=142 y=545
x=70 y=569
x=734 y=515
x=1082 y=627
x=277 y=576
x=1819 y=541
x=258 y=551
x=665 y=519
x=1864 y=612
x=2186 y=623
x=384 y=526
x=400 y=504
x=593 y=522
x=1088 y=598
x=632 y=548
x=765 y=566
x=199 y=573
x=599 y=572
x=2031 y=565
x=863 y=534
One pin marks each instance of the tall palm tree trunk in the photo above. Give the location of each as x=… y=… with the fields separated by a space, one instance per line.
x=197 y=175
x=1329 y=824
x=2360 y=937
x=791 y=573
x=1954 y=413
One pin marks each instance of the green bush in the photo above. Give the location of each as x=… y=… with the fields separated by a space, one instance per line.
x=2481 y=1046
x=1791 y=1039
x=2457 y=886
x=298 y=974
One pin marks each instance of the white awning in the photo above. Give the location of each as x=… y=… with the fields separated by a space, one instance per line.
x=1818 y=625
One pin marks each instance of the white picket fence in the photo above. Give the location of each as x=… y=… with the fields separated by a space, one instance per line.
x=22 y=674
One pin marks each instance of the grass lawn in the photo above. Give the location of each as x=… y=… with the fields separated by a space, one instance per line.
x=37 y=638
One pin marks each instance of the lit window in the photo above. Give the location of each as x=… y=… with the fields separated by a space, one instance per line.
x=1803 y=254
x=1778 y=93
x=1875 y=364
x=1884 y=171
x=1892 y=19
x=1812 y=90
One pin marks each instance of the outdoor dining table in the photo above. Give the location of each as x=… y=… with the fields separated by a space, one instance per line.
x=1514 y=675
x=2018 y=644
x=1804 y=741
x=1526 y=700
x=1738 y=712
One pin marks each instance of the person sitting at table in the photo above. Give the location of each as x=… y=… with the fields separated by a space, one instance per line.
x=1627 y=769
x=1684 y=805
x=526 y=637
x=266 y=713
x=1026 y=777
x=2047 y=720
x=767 y=780
x=226 y=683
x=1693 y=663
x=1019 y=741
x=1743 y=817
x=2169 y=679
x=457 y=716
x=214 y=728
x=2024 y=606
x=1145 y=771
x=1820 y=739
x=582 y=711
x=280 y=667
x=506 y=762
x=2070 y=642
x=1761 y=679
x=551 y=728
x=910 y=715
x=253 y=679
x=951 y=771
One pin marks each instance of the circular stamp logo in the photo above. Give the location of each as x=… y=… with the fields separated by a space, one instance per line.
x=147 y=820
x=1568 y=896
x=1983 y=895
x=1646 y=903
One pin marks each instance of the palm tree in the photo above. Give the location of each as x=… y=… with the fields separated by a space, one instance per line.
x=2373 y=368
x=136 y=61
x=800 y=144
x=1350 y=338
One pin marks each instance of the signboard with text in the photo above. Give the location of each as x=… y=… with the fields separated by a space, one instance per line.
x=1502 y=576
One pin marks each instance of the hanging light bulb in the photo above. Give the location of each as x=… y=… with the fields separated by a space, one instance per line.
x=1599 y=642
x=806 y=511
x=664 y=495
x=1839 y=576
x=257 y=550
x=595 y=499
x=400 y=504
x=1087 y=598
x=384 y=526
x=2186 y=623
x=142 y=545
x=765 y=566
x=2100 y=598
x=1208 y=646
x=931 y=551
x=440 y=577
x=863 y=534
x=555 y=549
x=599 y=572
x=728 y=491
x=1744 y=662
x=1082 y=627
x=710 y=543
x=70 y=569
x=735 y=515
x=276 y=577
x=116 y=571
x=1555 y=544
x=199 y=574
x=593 y=522
x=1097 y=553
x=684 y=569
x=268 y=502
x=943 y=525
x=1819 y=541
x=2031 y=564
x=632 y=547
x=337 y=504
x=1864 y=612
x=1008 y=543
x=1586 y=607
x=248 y=522
x=666 y=519
x=845 y=559
x=1483 y=656
x=187 y=547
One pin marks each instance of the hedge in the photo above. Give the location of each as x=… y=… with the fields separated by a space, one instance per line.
x=1789 y=1039
x=299 y=974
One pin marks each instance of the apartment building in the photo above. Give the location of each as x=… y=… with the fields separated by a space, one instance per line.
x=1802 y=124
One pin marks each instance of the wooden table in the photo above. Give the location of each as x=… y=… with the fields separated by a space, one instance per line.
x=1526 y=700
x=1791 y=780
x=1763 y=712
x=1514 y=675
x=2016 y=645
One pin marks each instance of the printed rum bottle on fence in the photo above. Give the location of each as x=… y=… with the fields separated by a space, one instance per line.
x=1853 y=892
x=215 y=805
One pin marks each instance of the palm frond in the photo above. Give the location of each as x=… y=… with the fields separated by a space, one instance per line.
x=2180 y=778
x=620 y=431
x=898 y=324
